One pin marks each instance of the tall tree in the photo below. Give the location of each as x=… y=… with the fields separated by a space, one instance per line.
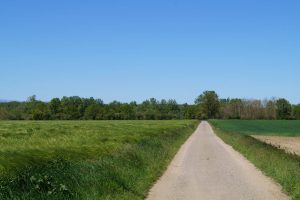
x=209 y=104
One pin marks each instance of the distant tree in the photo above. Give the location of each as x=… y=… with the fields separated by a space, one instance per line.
x=85 y=103
x=173 y=106
x=55 y=107
x=253 y=109
x=4 y=114
x=208 y=104
x=41 y=111
x=270 y=109
x=236 y=106
x=72 y=107
x=149 y=110
x=32 y=98
x=128 y=110
x=93 y=112
x=189 y=111
x=15 y=110
x=296 y=111
x=30 y=104
x=36 y=109
x=162 y=109
x=99 y=102
x=113 y=111
x=231 y=108
x=284 y=109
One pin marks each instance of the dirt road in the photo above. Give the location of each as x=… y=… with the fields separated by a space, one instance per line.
x=206 y=168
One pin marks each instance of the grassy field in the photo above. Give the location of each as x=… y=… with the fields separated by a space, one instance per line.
x=276 y=163
x=260 y=127
x=86 y=159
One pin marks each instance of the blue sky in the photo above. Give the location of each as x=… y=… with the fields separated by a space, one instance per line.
x=133 y=50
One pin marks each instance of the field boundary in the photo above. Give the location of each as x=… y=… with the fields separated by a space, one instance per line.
x=283 y=167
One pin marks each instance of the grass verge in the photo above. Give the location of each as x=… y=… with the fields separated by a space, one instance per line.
x=127 y=172
x=283 y=167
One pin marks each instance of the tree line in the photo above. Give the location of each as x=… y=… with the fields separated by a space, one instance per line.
x=76 y=108
x=207 y=105
x=210 y=106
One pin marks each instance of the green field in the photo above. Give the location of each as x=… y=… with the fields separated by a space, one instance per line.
x=283 y=167
x=86 y=159
x=259 y=127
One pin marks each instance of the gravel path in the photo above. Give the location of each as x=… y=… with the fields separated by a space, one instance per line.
x=206 y=168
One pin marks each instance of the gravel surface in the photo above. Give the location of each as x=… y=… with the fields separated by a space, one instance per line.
x=207 y=168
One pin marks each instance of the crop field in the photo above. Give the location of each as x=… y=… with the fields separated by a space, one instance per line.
x=279 y=133
x=86 y=159
x=259 y=127
x=282 y=166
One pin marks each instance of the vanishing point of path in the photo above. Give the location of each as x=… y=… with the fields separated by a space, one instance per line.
x=207 y=168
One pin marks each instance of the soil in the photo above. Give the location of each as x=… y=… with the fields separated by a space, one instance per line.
x=290 y=144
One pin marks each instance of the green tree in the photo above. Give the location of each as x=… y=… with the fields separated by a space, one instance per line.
x=41 y=111
x=93 y=111
x=173 y=109
x=55 y=108
x=32 y=98
x=4 y=114
x=72 y=107
x=296 y=111
x=209 y=105
x=30 y=104
x=36 y=109
x=284 y=109
x=189 y=111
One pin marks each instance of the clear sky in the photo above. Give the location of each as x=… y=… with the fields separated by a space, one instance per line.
x=133 y=50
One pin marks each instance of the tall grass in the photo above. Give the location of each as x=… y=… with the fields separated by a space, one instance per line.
x=86 y=160
x=283 y=167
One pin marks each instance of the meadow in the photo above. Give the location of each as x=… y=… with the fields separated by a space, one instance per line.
x=86 y=159
x=276 y=163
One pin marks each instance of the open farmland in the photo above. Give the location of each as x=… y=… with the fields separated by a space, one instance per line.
x=86 y=159
x=290 y=144
x=283 y=167
x=260 y=127
x=279 y=133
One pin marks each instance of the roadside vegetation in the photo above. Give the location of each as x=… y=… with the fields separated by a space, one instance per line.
x=86 y=159
x=283 y=167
